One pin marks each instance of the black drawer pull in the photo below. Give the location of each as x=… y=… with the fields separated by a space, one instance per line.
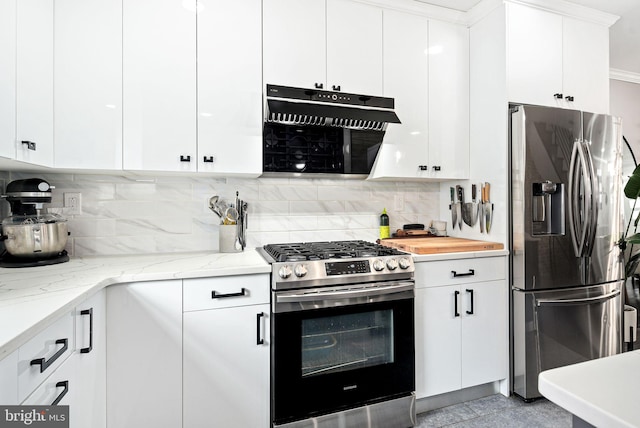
x=471 y=311
x=457 y=275
x=455 y=303
x=64 y=384
x=436 y=168
x=319 y=85
x=90 y=347
x=30 y=145
x=423 y=167
x=336 y=87
x=44 y=364
x=557 y=96
x=259 y=338
x=569 y=98
x=216 y=295
x=185 y=158
x=208 y=159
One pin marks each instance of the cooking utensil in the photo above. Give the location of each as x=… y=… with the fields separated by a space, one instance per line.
x=34 y=236
x=459 y=202
x=213 y=206
x=452 y=207
x=470 y=209
x=481 y=208
x=230 y=216
x=488 y=207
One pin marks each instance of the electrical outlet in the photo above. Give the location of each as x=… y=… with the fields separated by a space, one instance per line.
x=73 y=203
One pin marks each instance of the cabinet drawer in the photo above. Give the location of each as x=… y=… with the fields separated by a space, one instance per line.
x=56 y=388
x=225 y=291
x=50 y=348
x=9 y=376
x=462 y=271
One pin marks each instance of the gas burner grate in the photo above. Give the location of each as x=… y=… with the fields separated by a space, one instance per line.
x=327 y=250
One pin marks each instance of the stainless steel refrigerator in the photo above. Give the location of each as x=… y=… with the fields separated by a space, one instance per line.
x=566 y=271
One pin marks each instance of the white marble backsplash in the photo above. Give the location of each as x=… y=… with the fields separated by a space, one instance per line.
x=169 y=214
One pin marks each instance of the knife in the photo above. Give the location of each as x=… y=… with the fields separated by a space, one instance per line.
x=460 y=193
x=452 y=207
x=481 y=208
x=488 y=207
x=471 y=208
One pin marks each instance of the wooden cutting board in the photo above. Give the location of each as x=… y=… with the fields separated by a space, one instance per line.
x=440 y=245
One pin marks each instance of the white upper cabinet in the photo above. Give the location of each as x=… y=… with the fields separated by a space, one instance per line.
x=323 y=44
x=230 y=87
x=34 y=78
x=566 y=65
x=426 y=71
x=448 y=101
x=406 y=79
x=159 y=85
x=88 y=84
x=8 y=78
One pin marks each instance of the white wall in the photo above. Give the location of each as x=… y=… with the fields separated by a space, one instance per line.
x=625 y=103
x=166 y=214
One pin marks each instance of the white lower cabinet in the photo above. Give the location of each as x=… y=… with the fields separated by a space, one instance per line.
x=461 y=325
x=9 y=376
x=144 y=355
x=226 y=352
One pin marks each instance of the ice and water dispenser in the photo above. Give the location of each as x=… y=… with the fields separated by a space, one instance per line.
x=548 y=208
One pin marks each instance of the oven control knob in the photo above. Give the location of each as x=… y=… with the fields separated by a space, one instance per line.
x=300 y=270
x=404 y=263
x=392 y=264
x=284 y=272
x=378 y=265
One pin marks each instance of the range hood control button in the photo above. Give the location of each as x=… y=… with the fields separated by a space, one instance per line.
x=284 y=272
x=404 y=263
x=392 y=264
x=300 y=270
x=378 y=265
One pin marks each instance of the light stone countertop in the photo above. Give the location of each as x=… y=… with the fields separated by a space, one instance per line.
x=32 y=298
x=602 y=392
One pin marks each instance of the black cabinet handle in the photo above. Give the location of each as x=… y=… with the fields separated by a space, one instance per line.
x=90 y=347
x=455 y=303
x=185 y=158
x=336 y=87
x=64 y=384
x=569 y=98
x=259 y=338
x=319 y=85
x=436 y=167
x=457 y=275
x=216 y=295
x=30 y=145
x=208 y=159
x=557 y=96
x=44 y=364
x=423 y=167
x=471 y=311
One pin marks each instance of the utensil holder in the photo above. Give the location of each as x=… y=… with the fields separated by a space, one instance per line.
x=228 y=237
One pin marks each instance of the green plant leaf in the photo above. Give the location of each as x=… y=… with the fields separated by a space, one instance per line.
x=632 y=188
x=633 y=239
x=632 y=264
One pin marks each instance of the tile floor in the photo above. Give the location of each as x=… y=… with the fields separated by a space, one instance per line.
x=497 y=411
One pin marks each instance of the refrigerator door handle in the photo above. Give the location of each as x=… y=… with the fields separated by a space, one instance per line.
x=574 y=209
x=580 y=174
x=581 y=301
x=593 y=202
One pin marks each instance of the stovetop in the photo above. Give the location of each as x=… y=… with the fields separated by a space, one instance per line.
x=327 y=250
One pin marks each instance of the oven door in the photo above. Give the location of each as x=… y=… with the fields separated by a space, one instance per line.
x=341 y=348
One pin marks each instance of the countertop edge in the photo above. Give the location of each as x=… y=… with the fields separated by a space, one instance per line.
x=459 y=255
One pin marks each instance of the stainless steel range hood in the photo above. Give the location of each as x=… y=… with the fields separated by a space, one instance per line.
x=299 y=106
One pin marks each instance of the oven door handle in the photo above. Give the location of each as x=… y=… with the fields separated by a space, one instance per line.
x=345 y=294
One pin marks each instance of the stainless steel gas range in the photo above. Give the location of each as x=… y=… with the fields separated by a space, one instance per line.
x=342 y=349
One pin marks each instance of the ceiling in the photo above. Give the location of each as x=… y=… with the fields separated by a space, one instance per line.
x=624 y=38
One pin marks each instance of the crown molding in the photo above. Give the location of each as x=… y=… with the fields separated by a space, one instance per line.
x=420 y=8
x=623 y=75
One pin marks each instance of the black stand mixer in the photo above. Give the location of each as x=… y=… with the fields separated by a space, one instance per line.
x=30 y=237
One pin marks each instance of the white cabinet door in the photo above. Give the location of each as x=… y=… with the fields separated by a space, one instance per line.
x=34 y=78
x=8 y=78
x=354 y=47
x=88 y=84
x=438 y=336
x=9 y=376
x=159 y=85
x=230 y=87
x=484 y=333
x=448 y=101
x=534 y=57
x=585 y=65
x=226 y=367
x=144 y=355
x=294 y=42
x=406 y=69
x=90 y=363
